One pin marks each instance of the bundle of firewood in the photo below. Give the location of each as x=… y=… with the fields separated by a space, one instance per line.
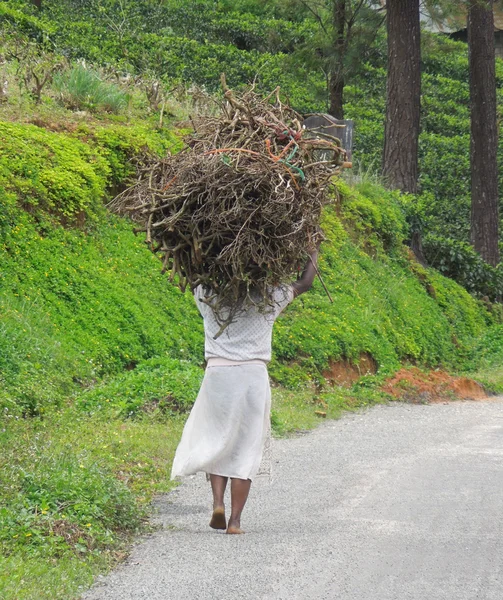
x=238 y=208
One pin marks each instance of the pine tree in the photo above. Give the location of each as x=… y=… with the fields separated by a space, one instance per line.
x=400 y=158
x=484 y=132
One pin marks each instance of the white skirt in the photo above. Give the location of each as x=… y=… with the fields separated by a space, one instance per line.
x=228 y=425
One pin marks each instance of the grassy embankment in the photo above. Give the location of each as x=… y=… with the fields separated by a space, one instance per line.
x=101 y=358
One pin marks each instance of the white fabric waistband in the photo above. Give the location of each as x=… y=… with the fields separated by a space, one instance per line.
x=224 y=362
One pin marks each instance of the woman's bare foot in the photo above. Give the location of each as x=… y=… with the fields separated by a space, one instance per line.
x=218 y=518
x=234 y=528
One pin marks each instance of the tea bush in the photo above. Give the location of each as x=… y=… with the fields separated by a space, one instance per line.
x=21 y=19
x=459 y=261
x=185 y=43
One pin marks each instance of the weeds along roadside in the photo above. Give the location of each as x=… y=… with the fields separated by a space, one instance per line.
x=73 y=490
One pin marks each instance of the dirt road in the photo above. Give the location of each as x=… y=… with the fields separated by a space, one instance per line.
x=397 y=503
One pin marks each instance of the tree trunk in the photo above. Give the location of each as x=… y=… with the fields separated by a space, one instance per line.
x=400 y=158
x=484 y=132
x=336 y=93
x=37 y=3
x=336 y=80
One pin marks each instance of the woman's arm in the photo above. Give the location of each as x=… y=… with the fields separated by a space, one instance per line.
x=308 y=274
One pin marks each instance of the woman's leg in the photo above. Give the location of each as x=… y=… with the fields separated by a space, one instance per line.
x=240 y=488
x=218 y=485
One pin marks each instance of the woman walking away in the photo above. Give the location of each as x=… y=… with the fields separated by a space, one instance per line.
x=229 y=423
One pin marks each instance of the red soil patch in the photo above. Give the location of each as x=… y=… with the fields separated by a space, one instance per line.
x=412 y=385
x=344 y=373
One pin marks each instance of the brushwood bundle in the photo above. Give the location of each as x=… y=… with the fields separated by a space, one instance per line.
x=239 y=208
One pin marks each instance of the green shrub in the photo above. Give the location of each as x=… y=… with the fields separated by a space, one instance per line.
x=62 y=176
x=21 y=20
x=459 y=261
x=380 y=308
x=487 y=353
x=375 y=214
x=160 y=385
x=82 y=88
x=121 y=144
x=72 y=306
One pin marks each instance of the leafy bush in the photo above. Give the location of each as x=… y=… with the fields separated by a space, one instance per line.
x=459 y=261
x=445 y=139
x=374 y=213
x=160 y=385
x=203 y=21
x=488 y=351
x=82 y=88
x=75 y=485
x=382 y=305
x=120 y=145
x=66 y=176
x=445 y=176
x=194 y=42
x=20 y=19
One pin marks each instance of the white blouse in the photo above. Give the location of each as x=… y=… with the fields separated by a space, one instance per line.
x=249 y=335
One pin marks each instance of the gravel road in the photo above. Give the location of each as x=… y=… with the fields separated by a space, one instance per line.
x=399 y=502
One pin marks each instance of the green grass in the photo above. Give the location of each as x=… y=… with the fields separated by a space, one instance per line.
x=298 y=411
x=24 y=577
x=487 y=360
x=82 y=88
x=491 y=378
x=74 y=489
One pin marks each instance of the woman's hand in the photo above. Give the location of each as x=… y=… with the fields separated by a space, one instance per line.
x=304 y=283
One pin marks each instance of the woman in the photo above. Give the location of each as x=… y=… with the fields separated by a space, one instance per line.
x=229 y=423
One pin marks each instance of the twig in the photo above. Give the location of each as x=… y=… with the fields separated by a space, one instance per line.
x=321 y=280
